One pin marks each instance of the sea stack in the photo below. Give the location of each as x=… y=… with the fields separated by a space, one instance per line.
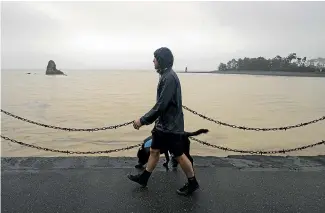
x=51 y=69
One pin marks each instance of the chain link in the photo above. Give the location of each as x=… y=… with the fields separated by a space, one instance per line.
x=68 y=151
x=185 y=107
x=282 y=151
x=254 y=128
x=66 y=128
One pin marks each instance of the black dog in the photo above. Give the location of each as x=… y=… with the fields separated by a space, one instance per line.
x=144 y=151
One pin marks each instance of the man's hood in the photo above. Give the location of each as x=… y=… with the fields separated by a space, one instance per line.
x=164 y=57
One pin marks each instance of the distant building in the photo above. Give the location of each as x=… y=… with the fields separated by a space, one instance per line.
x=185 y=69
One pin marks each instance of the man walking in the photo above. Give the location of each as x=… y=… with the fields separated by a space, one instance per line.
x=168 y=116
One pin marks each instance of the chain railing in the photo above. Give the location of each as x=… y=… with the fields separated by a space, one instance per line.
x=68 y=151
x=66 y=128
x=195 y=139
x=185 y=107
x=282 y=151
x=254 y=128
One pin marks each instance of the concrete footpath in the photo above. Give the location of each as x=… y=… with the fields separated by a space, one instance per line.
x=99 y=184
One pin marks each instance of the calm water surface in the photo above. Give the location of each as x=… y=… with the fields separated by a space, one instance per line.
x=86 y=99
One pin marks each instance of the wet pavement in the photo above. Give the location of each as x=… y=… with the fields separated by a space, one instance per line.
x=99 y=184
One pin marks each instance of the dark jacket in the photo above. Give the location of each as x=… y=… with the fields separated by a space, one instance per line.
x=167 y=112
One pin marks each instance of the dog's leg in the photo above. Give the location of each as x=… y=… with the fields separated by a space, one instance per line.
x=167 y=160
x=174 y=162
x=143 y=156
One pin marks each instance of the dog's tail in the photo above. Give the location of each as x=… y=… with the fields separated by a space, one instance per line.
x=198 y=132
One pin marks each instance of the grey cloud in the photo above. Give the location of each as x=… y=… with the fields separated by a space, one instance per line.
x=124 y=35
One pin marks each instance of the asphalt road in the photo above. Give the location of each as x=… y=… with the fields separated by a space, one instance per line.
x=223 y=189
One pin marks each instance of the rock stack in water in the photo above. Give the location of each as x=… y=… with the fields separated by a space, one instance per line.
x=51 y=69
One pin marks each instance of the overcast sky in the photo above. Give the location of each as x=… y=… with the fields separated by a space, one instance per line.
x=111 y=35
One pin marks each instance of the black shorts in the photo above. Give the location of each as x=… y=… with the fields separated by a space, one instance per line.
x=167 y=141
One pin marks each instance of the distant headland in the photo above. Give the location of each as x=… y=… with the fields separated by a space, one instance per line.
x=292 y=65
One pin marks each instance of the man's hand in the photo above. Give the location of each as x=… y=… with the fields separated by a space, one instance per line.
x=137 y=124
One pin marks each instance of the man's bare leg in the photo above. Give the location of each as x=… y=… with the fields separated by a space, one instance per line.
x=153 y=159
x=143 y=178
x=187 y=167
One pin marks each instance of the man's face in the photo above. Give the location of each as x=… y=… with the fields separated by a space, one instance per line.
x=156 y=63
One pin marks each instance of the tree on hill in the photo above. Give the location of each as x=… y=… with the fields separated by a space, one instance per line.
x=291 y=63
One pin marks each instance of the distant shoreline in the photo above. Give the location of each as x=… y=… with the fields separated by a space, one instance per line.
x=267 y=73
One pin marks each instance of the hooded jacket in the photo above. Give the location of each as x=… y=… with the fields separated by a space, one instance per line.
x=167 y=112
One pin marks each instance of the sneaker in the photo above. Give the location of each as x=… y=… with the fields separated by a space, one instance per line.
x=188 y=188
x=138 y=179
